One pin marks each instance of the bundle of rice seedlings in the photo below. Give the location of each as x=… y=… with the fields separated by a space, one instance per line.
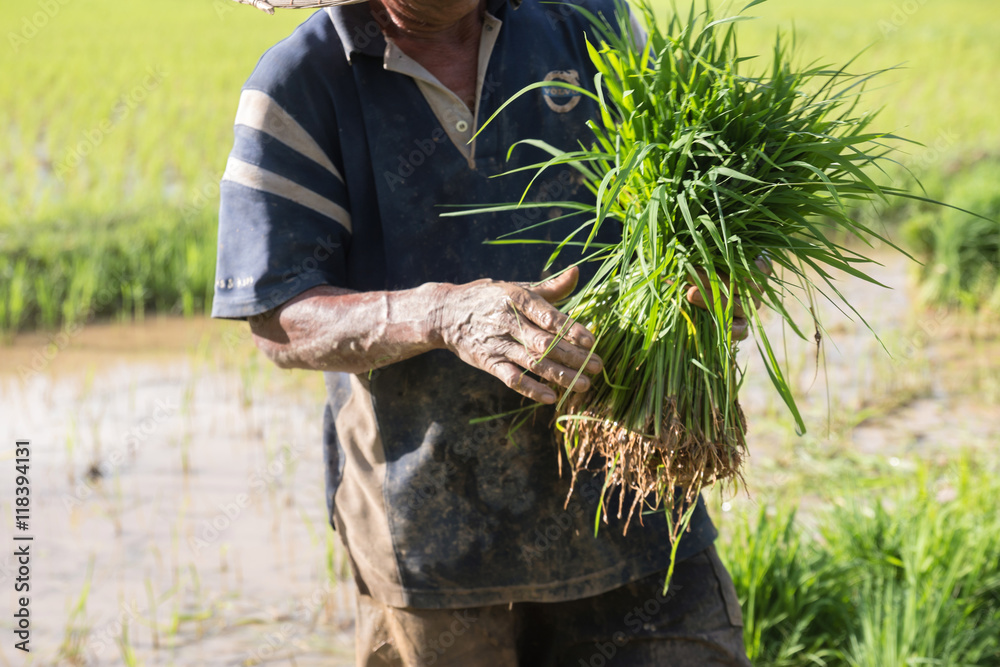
x=708 y=172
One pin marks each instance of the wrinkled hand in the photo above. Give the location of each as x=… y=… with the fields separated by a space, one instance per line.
x=507 y=329
x=741 y=327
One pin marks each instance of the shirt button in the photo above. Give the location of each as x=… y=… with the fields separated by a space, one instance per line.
x=461 y=126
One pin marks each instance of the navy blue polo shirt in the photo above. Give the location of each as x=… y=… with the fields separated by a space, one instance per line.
x=340 y=171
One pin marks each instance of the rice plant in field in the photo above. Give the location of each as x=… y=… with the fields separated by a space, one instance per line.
x=113 y=139
x=788 y=590
x=710 y=175
x=908 y=578
x=960 y=252
x=110 y=114
x=931 y=583
x=69 y=273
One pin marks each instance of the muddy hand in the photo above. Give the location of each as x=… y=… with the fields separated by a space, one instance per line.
x=741 y=327
x=507 y=329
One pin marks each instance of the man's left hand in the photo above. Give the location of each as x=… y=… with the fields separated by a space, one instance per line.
x=741 y=326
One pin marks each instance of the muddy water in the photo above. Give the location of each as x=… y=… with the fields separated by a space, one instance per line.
x=177 y=489
x=178 y=480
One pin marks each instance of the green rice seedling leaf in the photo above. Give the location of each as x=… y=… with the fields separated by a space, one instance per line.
x=528 y=89
x=731 y=19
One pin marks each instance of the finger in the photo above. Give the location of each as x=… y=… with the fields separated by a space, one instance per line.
x=738 y=312
x=701 y=282
x=763 y=263
x=741 y=329
x=559 y=287
x=695 y=298
x=561 y=351
x=562 y=376
x=518 y=379
x=546 y=317
x=548 y=369
x=701 y=276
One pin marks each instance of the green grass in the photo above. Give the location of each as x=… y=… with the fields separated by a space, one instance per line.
x=906 y=576
x=148 y=90
x=76 y=269
x=117 y=120
x=941 y=95
x=960 y=253
x=73 y=79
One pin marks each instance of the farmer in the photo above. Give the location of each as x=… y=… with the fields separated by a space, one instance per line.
x=350 y=136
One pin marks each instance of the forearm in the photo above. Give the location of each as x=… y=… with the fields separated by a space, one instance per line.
x=503 y=328
x=334 y=329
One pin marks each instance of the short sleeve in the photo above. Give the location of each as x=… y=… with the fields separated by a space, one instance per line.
x=284 y=220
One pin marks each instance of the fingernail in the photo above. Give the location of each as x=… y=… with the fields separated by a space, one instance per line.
x=548 y=397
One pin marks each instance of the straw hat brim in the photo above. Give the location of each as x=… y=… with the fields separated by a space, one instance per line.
x=270 y=5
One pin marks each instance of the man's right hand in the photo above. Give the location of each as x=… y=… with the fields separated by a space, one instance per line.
x=507 y=329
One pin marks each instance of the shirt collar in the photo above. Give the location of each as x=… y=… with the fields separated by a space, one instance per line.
x=359 y=32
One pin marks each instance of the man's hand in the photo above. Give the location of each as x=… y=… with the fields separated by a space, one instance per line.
x=741 y=327
x=507 y=329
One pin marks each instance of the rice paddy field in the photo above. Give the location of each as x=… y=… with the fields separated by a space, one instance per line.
x=178 y=505
x=116 y=123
